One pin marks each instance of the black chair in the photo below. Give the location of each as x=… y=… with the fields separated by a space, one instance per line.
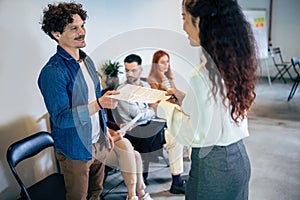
x=295 y=79
x=281 y=66
x=50 y=187
x=107 y=172
x=148 y=140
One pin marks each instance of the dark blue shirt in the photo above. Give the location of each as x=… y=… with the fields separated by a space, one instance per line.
x=65 y=93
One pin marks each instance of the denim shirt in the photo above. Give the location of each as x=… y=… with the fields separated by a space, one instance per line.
x=65 y=94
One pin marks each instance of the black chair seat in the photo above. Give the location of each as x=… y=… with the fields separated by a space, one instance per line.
x=50 y=188
x=149 y=138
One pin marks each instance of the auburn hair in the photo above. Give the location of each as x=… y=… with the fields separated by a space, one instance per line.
x=154 y=72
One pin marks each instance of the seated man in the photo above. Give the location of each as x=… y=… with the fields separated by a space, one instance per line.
x=128 y=110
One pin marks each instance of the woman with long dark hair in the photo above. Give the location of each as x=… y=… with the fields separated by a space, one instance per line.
x=212 y=116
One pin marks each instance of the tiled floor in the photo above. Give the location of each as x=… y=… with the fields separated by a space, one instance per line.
x=273 y=147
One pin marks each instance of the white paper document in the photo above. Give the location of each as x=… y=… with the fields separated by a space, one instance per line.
x=131 y=123
x=140 y=94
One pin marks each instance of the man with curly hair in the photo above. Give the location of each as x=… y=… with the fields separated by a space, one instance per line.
x=71 y=90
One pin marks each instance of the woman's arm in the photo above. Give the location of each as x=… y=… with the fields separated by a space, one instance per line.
x=154 y=85
x=177 y=96
x=196 y=122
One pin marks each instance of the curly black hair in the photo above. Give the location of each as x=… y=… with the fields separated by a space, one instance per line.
x=228 y=38
x=57 y=16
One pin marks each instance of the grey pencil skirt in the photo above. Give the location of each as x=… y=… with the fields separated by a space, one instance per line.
x=219 y=173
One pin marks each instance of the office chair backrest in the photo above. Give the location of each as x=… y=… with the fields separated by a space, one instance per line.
x=26 y=148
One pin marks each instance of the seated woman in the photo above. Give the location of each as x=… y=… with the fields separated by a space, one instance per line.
x=125 y=158
x=161 y=78
x=129 y=161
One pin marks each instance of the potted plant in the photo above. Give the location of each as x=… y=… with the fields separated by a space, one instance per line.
x=111 y=71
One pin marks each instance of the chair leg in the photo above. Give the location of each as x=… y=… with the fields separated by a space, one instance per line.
x=293 y=90
x=107 y=170
x=103 y=195
x=167 y=161
x=145 y=169
x=280 y=73
x=287 y=71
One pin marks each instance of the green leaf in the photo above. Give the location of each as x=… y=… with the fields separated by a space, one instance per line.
x=111 y=69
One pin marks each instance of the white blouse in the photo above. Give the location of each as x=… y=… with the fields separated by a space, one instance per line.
x=201 y=121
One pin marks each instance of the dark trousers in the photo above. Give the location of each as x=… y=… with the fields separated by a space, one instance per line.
x=219 y=173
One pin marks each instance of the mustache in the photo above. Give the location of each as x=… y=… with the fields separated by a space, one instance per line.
x=81 y=37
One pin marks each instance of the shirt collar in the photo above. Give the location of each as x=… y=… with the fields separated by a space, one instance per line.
x=67 y=56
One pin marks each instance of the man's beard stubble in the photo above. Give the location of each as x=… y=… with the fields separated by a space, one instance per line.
x=131 y=80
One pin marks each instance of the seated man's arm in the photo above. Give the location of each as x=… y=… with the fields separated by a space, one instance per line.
x=129 y=110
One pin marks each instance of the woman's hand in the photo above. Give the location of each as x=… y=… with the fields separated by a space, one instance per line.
x=109 y=142
x=154 y=105
x=177 y=96
x=116 y=135
x=124 y=124
x=107 y=102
